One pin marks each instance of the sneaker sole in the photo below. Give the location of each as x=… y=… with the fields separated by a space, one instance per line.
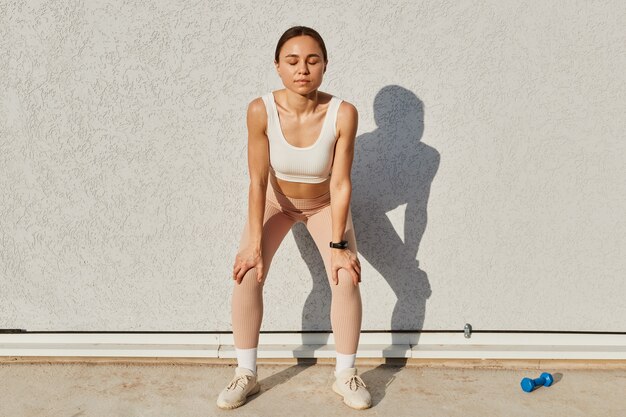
x=227 y=406
x=356 y=407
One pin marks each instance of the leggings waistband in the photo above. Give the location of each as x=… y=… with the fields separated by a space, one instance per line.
x=297 y=203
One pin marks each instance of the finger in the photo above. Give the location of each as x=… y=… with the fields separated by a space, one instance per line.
x=235 y=272
x=240 y=274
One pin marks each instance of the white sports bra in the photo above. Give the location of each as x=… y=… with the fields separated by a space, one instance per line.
x=310 y=164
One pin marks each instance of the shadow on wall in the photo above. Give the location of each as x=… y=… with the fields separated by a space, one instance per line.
x=392 y=167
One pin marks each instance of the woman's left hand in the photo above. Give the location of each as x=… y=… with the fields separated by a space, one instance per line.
x=346 y=259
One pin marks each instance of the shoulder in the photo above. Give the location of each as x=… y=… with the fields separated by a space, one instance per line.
x=347 y=109
x=257 y=113
x=347 y=118
x=257 y=106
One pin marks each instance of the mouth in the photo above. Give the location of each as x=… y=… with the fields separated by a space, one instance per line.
x=302 y=81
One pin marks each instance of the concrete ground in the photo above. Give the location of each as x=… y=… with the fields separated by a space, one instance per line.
x=181 y=390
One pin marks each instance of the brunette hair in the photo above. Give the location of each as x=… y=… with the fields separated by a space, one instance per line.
x=294 y=31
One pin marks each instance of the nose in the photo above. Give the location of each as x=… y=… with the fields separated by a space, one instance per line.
x=303 y=69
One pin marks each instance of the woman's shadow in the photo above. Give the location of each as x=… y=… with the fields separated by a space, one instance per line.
x=391 y=168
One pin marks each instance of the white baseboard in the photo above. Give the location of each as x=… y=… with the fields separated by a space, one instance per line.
x=321 y=345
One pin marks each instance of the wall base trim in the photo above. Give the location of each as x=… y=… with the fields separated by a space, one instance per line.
x=481 y=346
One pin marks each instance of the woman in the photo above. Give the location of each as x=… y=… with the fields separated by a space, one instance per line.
x=296 y=136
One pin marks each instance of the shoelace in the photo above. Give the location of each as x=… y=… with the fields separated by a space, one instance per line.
x=235 y=382
x=356 y=381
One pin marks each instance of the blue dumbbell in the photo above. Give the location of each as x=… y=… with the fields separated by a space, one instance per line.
x=530 y=384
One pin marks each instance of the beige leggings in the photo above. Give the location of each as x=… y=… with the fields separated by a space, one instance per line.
x=281 y=213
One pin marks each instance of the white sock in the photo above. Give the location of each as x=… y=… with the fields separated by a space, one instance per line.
x=344 y=362
x=246 y=358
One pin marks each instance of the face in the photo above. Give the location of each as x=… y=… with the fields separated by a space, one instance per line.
x=301 y=58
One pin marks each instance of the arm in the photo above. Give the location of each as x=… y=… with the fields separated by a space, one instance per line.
x=258 y=167
x=341 y=191
x=340 y=182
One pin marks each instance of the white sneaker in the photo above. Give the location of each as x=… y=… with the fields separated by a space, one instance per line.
x=352 y=388
x=238 y=389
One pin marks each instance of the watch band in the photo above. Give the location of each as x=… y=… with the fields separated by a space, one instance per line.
x=341 y=245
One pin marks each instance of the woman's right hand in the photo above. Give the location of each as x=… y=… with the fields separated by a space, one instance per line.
x=246 y=259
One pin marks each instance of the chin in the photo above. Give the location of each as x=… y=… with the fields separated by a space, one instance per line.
x=307 y=86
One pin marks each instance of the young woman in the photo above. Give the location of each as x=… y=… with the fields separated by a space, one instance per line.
x=297 y=136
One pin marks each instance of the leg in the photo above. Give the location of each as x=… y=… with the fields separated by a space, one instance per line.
x=247 y=299
x=346 y=308
x=345 y=312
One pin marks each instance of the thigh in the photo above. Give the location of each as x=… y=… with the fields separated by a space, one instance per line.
x=320 y=226
x=276 y=225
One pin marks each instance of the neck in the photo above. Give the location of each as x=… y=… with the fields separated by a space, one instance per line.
x=302 y=105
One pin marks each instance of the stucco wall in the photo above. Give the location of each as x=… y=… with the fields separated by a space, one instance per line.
x=489 y=174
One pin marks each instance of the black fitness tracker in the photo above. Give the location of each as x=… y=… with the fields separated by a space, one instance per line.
x=341 y=245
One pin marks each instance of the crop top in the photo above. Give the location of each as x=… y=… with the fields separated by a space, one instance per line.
x=310 y=164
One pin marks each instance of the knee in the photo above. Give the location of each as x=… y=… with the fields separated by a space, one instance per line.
x=249 y=281
x=345 y=282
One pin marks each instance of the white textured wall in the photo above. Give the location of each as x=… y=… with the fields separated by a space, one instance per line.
x=489 y=175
